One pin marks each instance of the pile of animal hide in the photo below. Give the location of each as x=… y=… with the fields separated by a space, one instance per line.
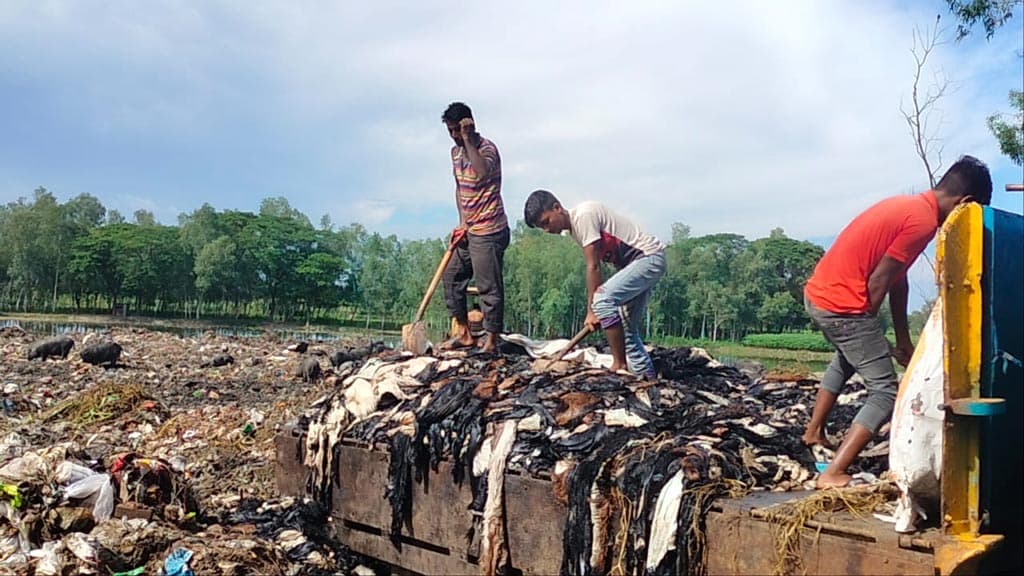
x=667 y=448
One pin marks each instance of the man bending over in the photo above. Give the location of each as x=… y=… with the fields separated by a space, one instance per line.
x=639 y=257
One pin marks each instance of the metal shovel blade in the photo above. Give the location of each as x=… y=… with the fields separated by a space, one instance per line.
x=414 y=338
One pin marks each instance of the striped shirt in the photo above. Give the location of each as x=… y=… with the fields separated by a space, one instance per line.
x=479 y=197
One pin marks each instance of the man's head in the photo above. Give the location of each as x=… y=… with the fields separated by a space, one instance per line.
x=455 y=112
x=544 y=211
x=967 y=180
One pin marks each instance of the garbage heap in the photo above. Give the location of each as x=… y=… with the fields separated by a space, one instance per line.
x=161 y=463
x=637 y=463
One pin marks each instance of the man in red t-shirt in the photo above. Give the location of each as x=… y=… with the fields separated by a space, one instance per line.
x=868 y=260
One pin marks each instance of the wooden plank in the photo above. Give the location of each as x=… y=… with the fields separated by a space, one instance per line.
x=840 y=523
x=440 y=509
x=536 y=521
x=411 y=557
x=740 y=544
x=289 y=472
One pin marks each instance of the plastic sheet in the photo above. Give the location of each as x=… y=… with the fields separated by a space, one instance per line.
x=915 y=449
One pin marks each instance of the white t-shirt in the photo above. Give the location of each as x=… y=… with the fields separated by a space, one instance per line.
x=621 y=239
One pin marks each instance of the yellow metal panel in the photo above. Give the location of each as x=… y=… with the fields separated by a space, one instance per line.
x=960 y=257
x=962 y=554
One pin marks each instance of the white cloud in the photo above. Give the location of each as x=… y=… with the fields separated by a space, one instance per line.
x=738 y=116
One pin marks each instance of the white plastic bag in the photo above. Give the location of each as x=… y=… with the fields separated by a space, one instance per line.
x=50 y=559
x=100 y=485
x=915 y=444
x=68 y=472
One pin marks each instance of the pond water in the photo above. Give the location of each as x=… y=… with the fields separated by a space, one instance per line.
x=391 y=339
x=53 y=328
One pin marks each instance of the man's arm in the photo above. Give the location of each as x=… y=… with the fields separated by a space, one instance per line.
x=458 y=203
x=890 y=277
x=898 y=305
x=470 y=141
x=881 y=279
x=592 y=263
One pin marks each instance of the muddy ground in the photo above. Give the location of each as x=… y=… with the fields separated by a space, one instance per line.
x=190 y=447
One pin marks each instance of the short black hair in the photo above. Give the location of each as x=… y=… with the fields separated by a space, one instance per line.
x=540 y=201
x=968 y=176
x=456 y=111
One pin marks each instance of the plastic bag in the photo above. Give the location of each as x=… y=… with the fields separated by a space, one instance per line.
x=50 y=559
x=68 y=472
x=176 y=563
x=28 y=468
x=102 y=487
x=915 y=444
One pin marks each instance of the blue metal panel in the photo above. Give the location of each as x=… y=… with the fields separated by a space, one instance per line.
x=1002 y=376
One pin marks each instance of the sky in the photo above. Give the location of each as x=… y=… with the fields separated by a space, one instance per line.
x=738 y=116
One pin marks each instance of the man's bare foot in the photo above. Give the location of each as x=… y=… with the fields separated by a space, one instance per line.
x=461 y=341
x=811 y=438
x=490 y=343
x=616 y=367
x=833 y=480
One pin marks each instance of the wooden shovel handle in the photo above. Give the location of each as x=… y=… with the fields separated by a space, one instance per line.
x=587 y=329
x=433 y=282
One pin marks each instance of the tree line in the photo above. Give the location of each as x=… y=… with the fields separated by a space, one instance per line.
x=276 y=265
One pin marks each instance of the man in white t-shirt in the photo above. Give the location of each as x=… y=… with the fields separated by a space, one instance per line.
x=638 y=256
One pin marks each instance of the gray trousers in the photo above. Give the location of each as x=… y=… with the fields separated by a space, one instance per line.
x=479 y=258
x=861 y=347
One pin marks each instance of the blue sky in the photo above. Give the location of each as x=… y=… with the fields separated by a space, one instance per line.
x=741 y=116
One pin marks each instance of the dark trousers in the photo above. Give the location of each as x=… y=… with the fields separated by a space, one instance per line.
x=480 y=258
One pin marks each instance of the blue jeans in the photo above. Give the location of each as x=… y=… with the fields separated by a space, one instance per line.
x=623 y=299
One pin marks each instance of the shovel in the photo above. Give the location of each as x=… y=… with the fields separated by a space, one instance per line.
x=587 y=329
x=414 y=336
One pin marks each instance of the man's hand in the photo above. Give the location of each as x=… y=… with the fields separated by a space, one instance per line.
x=467 y=128
x=903 y=351
x=459 y=235
x=592 y=320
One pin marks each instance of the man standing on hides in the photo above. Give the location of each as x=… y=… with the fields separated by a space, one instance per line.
x=482 y=234
x=869 y=260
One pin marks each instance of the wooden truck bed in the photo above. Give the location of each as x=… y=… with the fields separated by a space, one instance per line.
x=739 y=539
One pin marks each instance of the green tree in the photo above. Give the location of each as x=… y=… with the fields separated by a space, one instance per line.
x=779 y=311
x=144 y=218
x=280 y=208
x=1010 y=132
x=93 y=264
x=31 y=238
x=320 y=277
x=536 y=264
x=278 y=245
x=380 y=277
x=215 y=273
x=419 y=262
x=992 y=14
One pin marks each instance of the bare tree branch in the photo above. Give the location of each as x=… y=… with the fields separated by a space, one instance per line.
x=924 y=101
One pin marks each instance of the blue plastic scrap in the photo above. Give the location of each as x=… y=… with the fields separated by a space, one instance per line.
x=176 y=563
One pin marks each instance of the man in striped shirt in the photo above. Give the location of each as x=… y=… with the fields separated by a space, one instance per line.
x=482 y=234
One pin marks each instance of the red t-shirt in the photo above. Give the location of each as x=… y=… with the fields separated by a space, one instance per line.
x=899 y=227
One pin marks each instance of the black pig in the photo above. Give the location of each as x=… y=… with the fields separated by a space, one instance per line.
x=106 y=353
x=56 y=346
x=218 y=361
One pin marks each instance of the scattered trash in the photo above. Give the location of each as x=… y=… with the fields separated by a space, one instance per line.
x=110 y=471
x=605 y=439
x=177 y=563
